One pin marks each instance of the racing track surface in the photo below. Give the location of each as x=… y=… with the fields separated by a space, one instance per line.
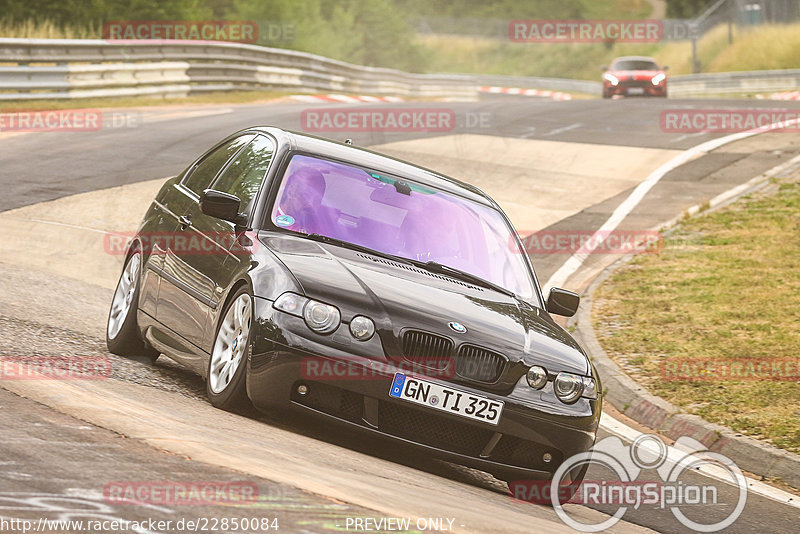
x=43 y=311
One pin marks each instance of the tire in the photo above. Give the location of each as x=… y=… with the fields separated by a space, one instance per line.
x=576 y=482
x=227 y=366
x=122 y=330
x=606 y=95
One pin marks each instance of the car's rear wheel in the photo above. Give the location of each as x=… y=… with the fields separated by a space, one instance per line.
x=226 y=384
x=122 y=331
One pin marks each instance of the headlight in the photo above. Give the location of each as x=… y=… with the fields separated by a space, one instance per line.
x=537 y=377
x=658 y=78
x=362 y=327
x=321 y=318
x=611 y=78
x=568 y=387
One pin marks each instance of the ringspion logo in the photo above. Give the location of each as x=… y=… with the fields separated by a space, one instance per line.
x=673 y=490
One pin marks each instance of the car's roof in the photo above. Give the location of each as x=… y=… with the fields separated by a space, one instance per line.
x=374 y=160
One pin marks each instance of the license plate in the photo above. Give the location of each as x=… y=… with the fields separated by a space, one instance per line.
x=636 y=90
x=446 y=399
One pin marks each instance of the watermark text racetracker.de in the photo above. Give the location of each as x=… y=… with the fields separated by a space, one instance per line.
x=318 y=368
x=733 y=369
x=68 y=120
x=191 y=30
x=400 y=119
x=729 y=120
x=589 y=242
x=586 y=31
x=174 y=493
x=188 y=243
x=55 y=367
x=117 y=525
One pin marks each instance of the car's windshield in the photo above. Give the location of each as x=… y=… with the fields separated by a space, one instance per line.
x=634 y=64
x=401 y=218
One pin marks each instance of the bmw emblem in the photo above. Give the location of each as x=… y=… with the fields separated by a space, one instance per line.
x=457 y=327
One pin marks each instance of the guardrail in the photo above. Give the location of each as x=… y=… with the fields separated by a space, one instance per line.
x=758 y=81
x=84 y=68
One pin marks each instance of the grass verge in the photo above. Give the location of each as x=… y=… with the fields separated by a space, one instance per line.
x=725 y=289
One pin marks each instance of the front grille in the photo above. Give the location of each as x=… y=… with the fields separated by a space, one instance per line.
x=331 y=400
x=479 y=364
x=431 y=429
x=426 y=350
x=518 y=452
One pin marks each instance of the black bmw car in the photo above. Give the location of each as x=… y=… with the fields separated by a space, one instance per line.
x=293 y=271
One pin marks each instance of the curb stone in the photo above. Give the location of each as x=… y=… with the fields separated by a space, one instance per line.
x=635 y=401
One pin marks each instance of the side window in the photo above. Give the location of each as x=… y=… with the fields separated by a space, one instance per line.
x=244 y=175
x=204 y=172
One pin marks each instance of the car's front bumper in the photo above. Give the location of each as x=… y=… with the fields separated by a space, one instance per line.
x=354 y=391
x=635 y=88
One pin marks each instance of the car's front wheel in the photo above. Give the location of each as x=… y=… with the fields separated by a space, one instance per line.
x=226 y=384
x=122 y=332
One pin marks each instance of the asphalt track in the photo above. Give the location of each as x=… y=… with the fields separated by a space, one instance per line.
x=41 y=451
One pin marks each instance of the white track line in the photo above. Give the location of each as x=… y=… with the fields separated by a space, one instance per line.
x=674 y=455
x=575 y=261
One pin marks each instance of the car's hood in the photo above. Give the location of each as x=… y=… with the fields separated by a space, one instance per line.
x=398 y=296
x=638 y=75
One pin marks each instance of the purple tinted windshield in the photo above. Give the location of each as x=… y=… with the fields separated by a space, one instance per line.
x=401 y=218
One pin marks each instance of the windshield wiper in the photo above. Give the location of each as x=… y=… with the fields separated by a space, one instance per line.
x=360 y=248
x=464 y=276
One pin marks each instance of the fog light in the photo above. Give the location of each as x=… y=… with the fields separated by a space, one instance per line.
x=362 y=327
x=302 y=389
x=547 y=457
x=537 y=377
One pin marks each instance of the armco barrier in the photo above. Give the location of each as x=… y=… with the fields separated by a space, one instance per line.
x=83 y=68
x=745 y=82
x=80 y=68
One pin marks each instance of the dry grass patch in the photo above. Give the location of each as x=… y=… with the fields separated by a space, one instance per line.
x=725 y=287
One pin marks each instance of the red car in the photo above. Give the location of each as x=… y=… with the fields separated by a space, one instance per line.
x=634 y=75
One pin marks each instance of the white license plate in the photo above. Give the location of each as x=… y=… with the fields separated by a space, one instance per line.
x=446 y=399
x=636 y=90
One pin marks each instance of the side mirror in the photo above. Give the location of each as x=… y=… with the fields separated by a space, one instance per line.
x=562 y=302
x=222 y=206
